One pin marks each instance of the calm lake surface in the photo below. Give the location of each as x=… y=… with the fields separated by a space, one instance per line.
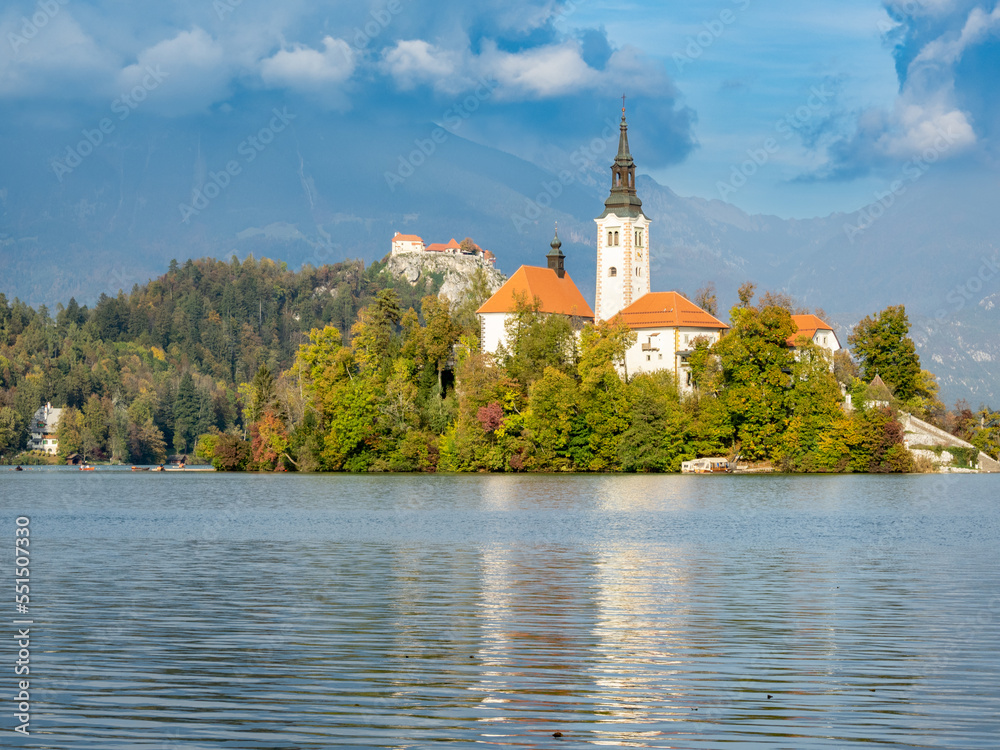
x=231 y=611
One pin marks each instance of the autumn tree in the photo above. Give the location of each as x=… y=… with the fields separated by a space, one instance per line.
x=707 y=299
x=745 y=293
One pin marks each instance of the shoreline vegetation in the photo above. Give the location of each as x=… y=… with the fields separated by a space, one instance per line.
x=253 y=367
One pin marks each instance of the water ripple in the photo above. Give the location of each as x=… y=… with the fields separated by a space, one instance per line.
x=401 y=612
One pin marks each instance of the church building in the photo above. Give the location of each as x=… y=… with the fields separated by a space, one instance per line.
x=667 y=324
x=551 y=288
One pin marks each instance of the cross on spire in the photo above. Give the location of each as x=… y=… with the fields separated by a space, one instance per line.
x=623 y=103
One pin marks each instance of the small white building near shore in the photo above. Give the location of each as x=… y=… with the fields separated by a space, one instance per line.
x=43 y=427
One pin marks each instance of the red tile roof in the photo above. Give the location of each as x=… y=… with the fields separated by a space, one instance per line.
x=806 y=326
x=406 y=238
x=555 y=295
x=667 y=310
x=439 y=247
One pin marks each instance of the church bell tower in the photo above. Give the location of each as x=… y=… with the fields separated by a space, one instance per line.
x=622 y=238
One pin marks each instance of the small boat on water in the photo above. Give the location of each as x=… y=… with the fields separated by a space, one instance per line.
x=85 y=467
x=140 y=468
x=716 y=465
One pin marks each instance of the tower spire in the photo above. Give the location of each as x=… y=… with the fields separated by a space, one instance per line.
x=623 y=196
x=622 y=237
x=555 y=256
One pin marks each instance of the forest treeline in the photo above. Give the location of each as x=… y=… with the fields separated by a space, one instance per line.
x=347 y=368
x=144 y=373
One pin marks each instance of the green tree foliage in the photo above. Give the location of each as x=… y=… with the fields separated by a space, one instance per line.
x=756 y=369
x=186 y=410
x=883 y=347
x=879 y=443
x=246 y=363
x=11 y=431
x=657 y=437
x=986 y=432
x=438 y=336
x=552 y=415
x=813 y=405
x=464 y=314
x=536 y=341
x=174 y=351
x=603 y=396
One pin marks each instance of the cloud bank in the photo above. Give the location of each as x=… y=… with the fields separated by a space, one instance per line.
x=944 y=51
x=382 y=58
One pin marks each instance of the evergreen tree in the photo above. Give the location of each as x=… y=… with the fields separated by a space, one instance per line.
x=883 y=347
x=185 y=414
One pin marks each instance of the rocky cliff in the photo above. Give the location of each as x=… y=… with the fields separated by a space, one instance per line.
x=457 y=270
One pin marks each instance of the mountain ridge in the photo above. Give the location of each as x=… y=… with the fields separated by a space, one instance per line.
x=318 y=195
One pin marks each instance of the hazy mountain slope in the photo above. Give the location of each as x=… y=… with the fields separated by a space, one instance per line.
x=318 y=193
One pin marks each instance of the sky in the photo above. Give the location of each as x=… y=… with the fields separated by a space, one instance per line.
x=788 y=107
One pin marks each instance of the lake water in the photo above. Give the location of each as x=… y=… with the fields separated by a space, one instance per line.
x=251 y=611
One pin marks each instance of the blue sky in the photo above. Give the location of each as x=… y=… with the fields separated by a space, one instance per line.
x=792 y=108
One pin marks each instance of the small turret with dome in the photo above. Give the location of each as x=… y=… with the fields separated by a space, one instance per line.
x=556 y=258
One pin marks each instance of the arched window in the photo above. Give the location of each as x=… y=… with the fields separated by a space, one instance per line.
x=616 y=239
x=612 y=271
x=611 y=237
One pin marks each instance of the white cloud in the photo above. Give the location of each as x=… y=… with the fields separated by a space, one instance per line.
x=926 y=111
x=194 y=70
x=59 y=57
x=948 y=49
x=308 y=69
x=927 y=117
x=539 y=73
x=414 y=62
x=921 y=128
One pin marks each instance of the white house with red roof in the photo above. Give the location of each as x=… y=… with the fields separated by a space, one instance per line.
x=814 y=329
x=407 y=243
x=551 y=288
x=667 y=326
